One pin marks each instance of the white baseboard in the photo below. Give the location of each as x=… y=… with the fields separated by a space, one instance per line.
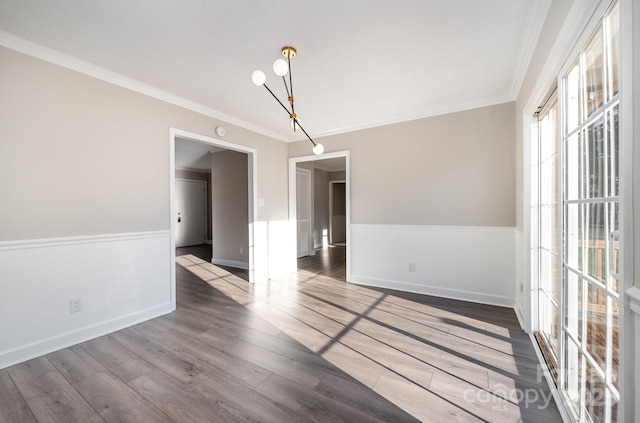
x=64 y=340
x=231 y=263
x=454 y=294
x=122 y=279
x=475 y=264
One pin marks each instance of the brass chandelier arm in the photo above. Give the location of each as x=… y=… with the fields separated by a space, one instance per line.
x=291 y=114
x=277 y=99
x=291 y=87
x=290 y=98
x=286 y=87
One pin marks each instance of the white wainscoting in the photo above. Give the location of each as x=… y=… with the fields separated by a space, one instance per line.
x=123 y=279
x=466 y=263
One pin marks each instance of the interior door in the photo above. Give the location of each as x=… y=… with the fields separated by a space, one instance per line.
x=338 y=212
x=303 y=211
x=191 y=212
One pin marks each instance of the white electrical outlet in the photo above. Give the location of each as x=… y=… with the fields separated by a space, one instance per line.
x=412 y=267
x=75 y=304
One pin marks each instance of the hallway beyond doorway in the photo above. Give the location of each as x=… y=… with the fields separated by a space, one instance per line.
x=328 y=261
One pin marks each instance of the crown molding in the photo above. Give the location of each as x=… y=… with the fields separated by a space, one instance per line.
x=47 y=54
x=434 y=111
x=534 y=27
x=55 y=57
x=574 y=25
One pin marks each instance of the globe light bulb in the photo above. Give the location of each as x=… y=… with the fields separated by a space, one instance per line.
x=318 y=149
x=258 y=77
x=280 y=67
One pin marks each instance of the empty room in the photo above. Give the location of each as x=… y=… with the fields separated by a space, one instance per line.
x=337 y=211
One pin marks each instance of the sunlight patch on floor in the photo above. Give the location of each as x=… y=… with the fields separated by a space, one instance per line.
x=420 y=360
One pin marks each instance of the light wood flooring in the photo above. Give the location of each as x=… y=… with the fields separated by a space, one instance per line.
x=309 y=347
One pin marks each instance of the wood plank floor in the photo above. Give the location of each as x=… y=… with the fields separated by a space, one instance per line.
x=305 y=348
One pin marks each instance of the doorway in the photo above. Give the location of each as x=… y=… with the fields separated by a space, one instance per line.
x=330 y=167
x=213 y=143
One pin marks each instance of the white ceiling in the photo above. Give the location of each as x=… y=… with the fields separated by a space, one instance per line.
x=360 y=63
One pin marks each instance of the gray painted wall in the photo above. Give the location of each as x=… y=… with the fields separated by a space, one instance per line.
x=229 y=197
x=454 y=169
x=58 y=126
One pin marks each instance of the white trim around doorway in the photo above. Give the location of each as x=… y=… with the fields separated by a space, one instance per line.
x=252 y=154
x=293 y=161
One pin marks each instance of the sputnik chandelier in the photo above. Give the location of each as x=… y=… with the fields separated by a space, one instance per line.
x=281 y=68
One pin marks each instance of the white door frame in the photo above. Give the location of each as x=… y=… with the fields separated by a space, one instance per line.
x=293 y=161
x=252 y=169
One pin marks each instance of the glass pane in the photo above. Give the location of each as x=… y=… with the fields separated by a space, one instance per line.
x=595 y=158
x=574 y=236
x=549 y=132
x=597 y=324
x=545 y=315
x=544 y=271
x=553 y=204
x=545 y=229
x=574 y=374
x=573 y=167
x=612 y=28
x=572 y=90
x=574 y=305
x=554 y=335
x=555 y=278
x=614 y=411
x=593 y=75
x=553 y=127
x=595 y=250
x=615 y=254
x=544 y=184
x=615 y=347
x=554 y=228
x=613 y=147
x=595 y=395
x=545 y=136
x=553 y=178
